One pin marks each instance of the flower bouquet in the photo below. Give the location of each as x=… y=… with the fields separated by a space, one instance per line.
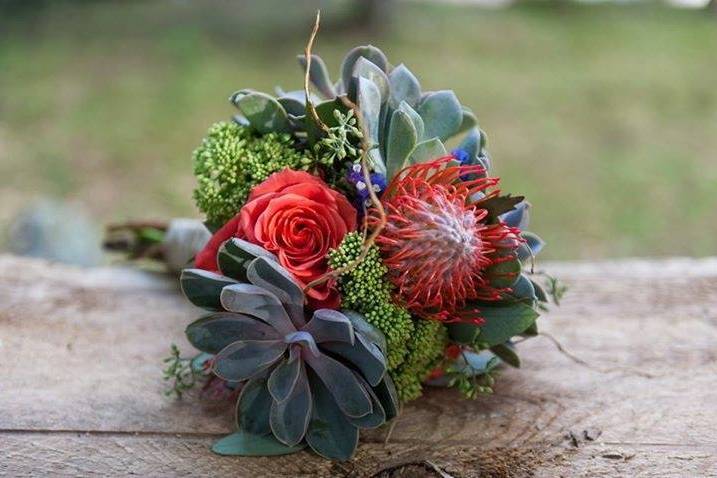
x=354 y=259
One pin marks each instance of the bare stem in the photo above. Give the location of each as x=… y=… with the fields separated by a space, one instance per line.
x=307 y=53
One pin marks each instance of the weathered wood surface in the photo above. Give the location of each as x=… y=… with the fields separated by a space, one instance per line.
x=81 y=388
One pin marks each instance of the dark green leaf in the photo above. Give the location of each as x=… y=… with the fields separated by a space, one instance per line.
x=534 y=242
x=506 y=354
x=523 y=290
x=203 y=288
x=498 y=205
x=504 y=273
x=463 y=333
x=283 y=378
x=235 y=255
x=271 y=276
x=330 y=326
x=243 y=443
x=377 y=417
x=502 y=323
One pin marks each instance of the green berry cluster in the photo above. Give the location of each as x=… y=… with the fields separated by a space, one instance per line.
x=232 y=160
x=425 y=351
x=365 y=290
x=414 y=347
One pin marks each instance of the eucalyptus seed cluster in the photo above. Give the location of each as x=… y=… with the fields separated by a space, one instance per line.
x=340 y=140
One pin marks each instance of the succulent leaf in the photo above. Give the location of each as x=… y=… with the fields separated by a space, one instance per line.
x=415 y=119
x=293 y=106
x=305 y=340
x=471 y=144
x=468 y=120
x=369 y=52
x=203 y=288
x=235 y=255
x=269 y=275
x=442 y=114
x=377 y=417
x=318 y=75
x=523 y=290
x=283 y=379
x=330 y=325
x=401 y=141
x=518 y=217
x=388 y=396
x=264 y=113
x=253 y=406
x=289 y=418
x=366 y=69
x=369 y=331
x=363 y=354
x=427 y=150
x=243 y=359
x=507 y=354
x=369 y=102
x=213 y=332
x=350 y=396
x=330 y=434
x=258 y=302
x=534 y=242
x=404 y=87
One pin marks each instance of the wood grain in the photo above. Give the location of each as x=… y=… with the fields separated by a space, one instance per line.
x=81 y=388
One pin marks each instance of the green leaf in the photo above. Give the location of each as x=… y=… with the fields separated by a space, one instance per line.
x=502 y=323
x=426 y=151
x=442 y=114
x=388 y=396
x=506 y=354
x=318 y=75
x=402 y=139
x=463 y=333
x=243 y=443
x=203 y=288
x=531 y=331
x=523 y=290
x=263 y=112
x=325 y=112
x=404 y=87
x=498 y=205
x=534 y=242
x=504 y=273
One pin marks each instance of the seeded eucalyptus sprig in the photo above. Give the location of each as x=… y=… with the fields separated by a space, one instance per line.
x=180 y=372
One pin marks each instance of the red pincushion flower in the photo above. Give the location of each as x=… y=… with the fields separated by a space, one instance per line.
x=437 y=242
x=297 y=217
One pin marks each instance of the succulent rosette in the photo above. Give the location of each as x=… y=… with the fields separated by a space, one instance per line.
x=354 y=259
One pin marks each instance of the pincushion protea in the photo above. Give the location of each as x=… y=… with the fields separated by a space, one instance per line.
x=439 y=243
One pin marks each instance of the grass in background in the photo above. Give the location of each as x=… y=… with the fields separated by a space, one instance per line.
x=604 y=116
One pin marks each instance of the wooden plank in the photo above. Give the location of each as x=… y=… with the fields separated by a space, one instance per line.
x=81 y=385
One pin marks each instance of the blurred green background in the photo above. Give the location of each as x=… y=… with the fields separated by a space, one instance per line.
x=604 y=116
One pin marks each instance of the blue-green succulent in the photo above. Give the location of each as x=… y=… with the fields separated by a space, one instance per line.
x=307 y=380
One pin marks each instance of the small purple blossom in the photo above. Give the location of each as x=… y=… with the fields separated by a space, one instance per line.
x=356 y=177
x=461 y=155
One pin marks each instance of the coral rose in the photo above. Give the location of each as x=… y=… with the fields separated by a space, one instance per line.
x=297 y=217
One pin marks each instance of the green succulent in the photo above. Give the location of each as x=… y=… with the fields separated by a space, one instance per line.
x=315 y=382
x=404 y=125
